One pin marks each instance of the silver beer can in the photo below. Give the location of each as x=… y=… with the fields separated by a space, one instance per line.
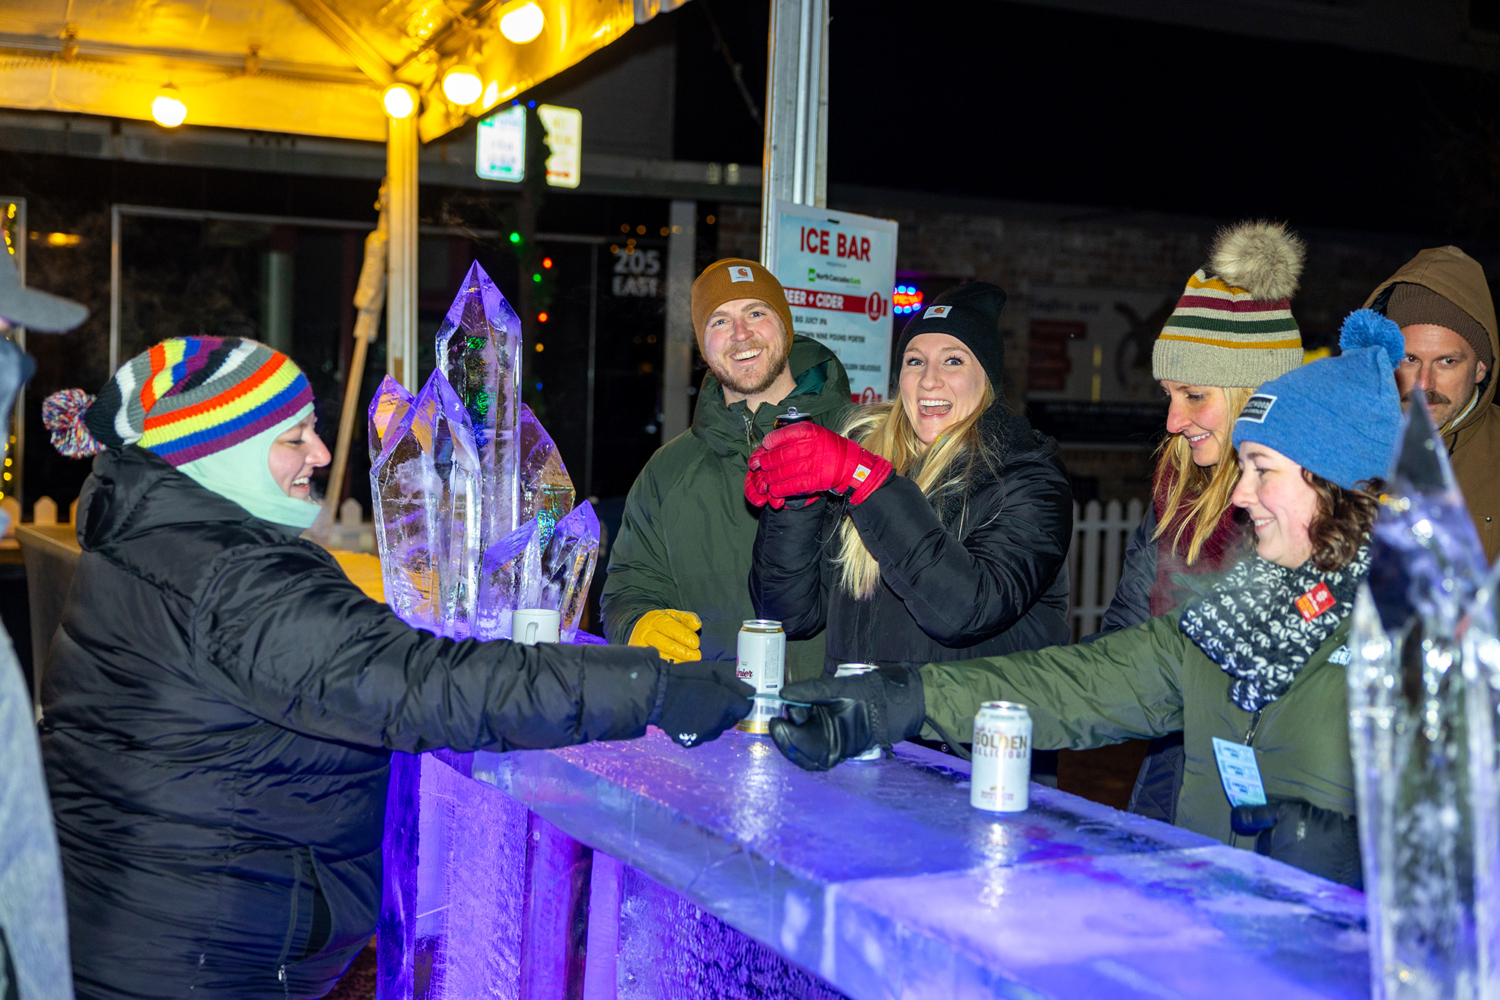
x=1001 y=768
x=762 y=665
x=854 y=670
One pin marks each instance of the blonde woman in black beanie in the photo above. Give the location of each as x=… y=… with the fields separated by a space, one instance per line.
x=936 y=526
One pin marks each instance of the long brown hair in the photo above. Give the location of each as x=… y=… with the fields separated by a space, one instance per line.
x=949 y=464
x=1197 y=497
x=1342 y=521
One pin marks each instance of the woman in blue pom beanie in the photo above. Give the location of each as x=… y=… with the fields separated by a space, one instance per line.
x=1254 y=659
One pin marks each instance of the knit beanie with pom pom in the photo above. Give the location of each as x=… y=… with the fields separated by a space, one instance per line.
x=209 y=406
x=1233 y=325
x=1338 y=417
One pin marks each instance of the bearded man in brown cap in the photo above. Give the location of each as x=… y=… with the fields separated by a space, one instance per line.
x=1442 y=303
x=679 y=569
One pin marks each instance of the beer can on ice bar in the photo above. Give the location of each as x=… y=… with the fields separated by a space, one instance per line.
x=762 y=664
x=1001 y=768
x=854 y=670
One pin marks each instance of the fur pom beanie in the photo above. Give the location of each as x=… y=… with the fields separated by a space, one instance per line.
x=1233 y=325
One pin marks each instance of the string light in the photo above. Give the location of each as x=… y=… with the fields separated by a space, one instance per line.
x=523 y=24
x=399 y=100
x=462 y=85
x=168 y=108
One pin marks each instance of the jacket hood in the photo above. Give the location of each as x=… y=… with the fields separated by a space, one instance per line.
x=731 y=428
x=133 y=490
x=1459 y=278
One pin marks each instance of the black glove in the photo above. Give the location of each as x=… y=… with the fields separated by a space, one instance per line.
x=849 y=715
x=703 y=699
x=1301 y=834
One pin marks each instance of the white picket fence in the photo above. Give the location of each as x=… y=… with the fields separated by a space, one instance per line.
x=1095 y=559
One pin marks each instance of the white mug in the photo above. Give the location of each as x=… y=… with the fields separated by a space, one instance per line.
x=530 y=626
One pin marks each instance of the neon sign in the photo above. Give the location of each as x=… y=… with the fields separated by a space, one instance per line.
x=906 y=299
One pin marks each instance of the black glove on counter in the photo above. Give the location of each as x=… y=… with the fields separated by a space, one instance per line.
x=703 y=699
x=849 y=715
x=1305 y=836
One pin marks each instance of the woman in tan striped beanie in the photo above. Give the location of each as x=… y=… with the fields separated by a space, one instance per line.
x=1232 y=330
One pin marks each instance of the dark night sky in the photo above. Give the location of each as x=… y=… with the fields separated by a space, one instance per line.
x=1011 y=101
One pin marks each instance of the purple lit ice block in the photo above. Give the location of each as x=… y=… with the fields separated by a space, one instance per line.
x=881 y=880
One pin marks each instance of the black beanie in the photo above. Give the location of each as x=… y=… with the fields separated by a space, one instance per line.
x=969 y=313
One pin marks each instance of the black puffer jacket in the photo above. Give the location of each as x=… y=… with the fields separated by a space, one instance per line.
x=984 y=576
x=221 y=703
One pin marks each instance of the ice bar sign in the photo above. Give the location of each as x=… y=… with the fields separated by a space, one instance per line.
x=839 y=272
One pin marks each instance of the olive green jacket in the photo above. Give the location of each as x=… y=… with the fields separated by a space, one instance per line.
x=1151 y=680
x=687 y=535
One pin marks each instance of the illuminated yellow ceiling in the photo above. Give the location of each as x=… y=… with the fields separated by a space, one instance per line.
x=313 y=67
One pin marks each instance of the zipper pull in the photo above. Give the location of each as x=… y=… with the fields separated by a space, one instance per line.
x=1254 y=725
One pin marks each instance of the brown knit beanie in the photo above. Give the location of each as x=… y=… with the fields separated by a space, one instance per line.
x=1412 y=304
x=732 y=278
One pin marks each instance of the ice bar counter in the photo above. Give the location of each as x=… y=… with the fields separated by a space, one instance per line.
x=643 y=870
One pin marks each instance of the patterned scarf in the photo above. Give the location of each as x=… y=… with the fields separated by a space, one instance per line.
x=1254 y=623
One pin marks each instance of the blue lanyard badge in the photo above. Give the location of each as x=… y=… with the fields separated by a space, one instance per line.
x=1239 y=772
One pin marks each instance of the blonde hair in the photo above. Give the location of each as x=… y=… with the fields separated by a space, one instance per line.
x=1197 y=497
x=945 y=467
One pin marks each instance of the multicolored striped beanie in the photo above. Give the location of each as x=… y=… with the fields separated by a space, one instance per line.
x=1233 y=325
x=184 y=399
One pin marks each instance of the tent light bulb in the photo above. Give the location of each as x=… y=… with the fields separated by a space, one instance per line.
x=168 y=108
x=522 y=24
x=399 y=100
x=462 y=85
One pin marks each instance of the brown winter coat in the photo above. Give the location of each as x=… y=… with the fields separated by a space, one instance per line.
x=1474 y=445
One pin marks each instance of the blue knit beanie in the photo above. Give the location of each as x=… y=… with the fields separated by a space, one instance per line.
x=1338 y=417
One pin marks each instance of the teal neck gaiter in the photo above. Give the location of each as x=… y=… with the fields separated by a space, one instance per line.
x=242 y=473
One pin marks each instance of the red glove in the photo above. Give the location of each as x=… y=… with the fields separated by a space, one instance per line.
x=804 y=459
x=756 y=490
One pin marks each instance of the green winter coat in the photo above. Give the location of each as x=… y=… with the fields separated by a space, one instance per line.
x=1151 y=680
x=686 y=538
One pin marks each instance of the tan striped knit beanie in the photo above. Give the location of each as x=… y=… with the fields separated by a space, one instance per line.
x=1233 y=325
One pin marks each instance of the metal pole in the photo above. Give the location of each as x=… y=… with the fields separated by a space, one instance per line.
x=795 y=161
x=677 y=354
x=401 y=292
x=114 y=290
x=588 y=420
x=17 y=455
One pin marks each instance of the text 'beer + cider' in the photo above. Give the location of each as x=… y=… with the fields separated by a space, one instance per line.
x=1001 y=768
x=854 y=670
x=762 y=665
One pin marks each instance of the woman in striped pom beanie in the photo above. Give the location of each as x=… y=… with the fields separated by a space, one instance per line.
x=233 y=415
x=1232 y=330
x=221 y=701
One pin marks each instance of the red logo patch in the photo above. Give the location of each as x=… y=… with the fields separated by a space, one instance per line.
x=1315 y=602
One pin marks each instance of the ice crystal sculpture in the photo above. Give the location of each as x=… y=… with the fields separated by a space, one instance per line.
x=473 y=505
x=1422 y=679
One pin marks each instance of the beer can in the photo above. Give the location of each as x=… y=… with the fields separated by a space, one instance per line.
x=790 y=417
x=762 y=665
x=854 y=670
x=1001 y=768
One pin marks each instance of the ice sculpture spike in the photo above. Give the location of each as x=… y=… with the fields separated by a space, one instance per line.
x=546 y=488
x=1421 y=727
x=479 y=350
x=389 y=405
x=568 y=565
x=426 y=484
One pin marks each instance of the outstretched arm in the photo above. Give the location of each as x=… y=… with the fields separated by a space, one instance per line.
x=786 y=577
x=321 y=658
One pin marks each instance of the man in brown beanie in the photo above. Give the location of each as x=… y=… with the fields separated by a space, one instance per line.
x=1442 y=303
x=679 y=568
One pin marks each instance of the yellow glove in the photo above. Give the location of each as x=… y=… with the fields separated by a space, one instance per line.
x=673 y=633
